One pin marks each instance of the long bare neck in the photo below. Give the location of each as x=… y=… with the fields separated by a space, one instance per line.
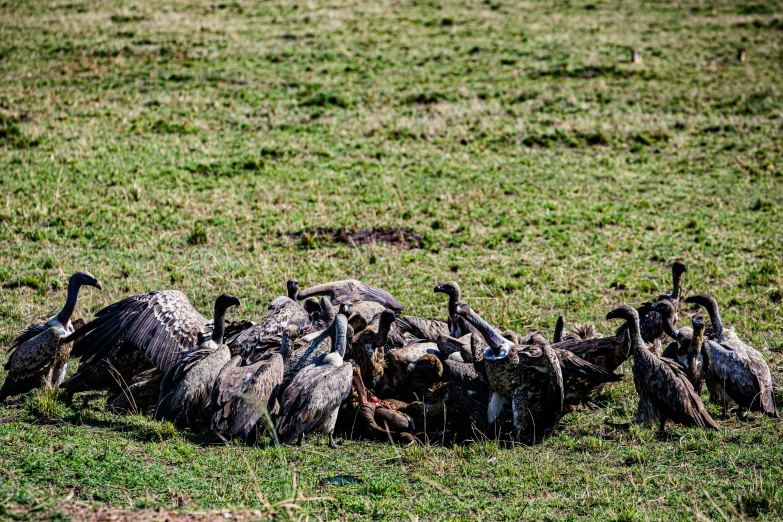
x=637 y=343
x=694 y=348
x=340 y=340
x=676 y=284
x=219 y=328
x=717 y=323
x=70 y=302
x=493 y=338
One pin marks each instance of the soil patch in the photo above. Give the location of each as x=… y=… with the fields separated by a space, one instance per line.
x=312 y=238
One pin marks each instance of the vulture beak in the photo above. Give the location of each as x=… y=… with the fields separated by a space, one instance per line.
x=411 y=367
x=616 y=314
x=439 y=288
x=97 y=284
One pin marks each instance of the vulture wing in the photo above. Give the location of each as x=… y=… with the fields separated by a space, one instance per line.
x=161 y=324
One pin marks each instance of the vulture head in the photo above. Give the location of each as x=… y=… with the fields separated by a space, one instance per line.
x=625 y=312
x=667 y=311
x=225 y=301
x=679 y=268
x=292 y=286
x=83 y=278
x=346 y=309
x=451 y=289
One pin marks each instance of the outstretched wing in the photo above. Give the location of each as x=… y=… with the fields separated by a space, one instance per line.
x=161 y=324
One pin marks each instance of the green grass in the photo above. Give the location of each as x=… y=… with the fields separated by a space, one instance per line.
x=210 y=147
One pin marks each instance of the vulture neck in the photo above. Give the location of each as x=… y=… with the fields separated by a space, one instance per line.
x=668 y=325
x=696 y=341
x=712 y=310
x=676 y=284
x=560 y=329
x=495 y=341
x=285 y=345
x=220 y=325
x=637 y=343
x=340 y=337
x=384 y=327
x=70 y=302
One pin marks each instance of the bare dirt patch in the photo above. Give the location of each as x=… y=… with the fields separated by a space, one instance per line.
x=401 y=237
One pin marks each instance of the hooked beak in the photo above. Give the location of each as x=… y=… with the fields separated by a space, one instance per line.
x=98 y=285
x=439 y=288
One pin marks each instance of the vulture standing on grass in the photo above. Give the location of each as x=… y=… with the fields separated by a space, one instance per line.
x=663 y=388
x=62 y=320
x=47 y=366
x=312 y=401
x=186 y=387
x=650 y=321
x=737 y=372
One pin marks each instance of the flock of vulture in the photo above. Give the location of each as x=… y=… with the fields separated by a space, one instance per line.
x=342 y=356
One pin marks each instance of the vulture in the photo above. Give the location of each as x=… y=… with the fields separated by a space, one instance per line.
x=690 y=352
x=537 y=402
x=579 y=377
x=292 y=288
x=664 y=389
x=32 y=363
x=52 y=362
x=135 y=334
x=244 y=398
x=528 y=376
x=737 y=372
x=306 y=350
x=367 y=352
x=62 y=320
x=606 y=352
x=355 y=292
x=651 y=322
x=186 y=388
x=312 y=401
x=457 y=325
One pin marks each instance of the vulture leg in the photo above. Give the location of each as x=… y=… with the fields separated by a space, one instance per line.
x=332 y=443
x=299 y=440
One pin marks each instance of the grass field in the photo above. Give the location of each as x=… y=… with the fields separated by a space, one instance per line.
x=512 y=146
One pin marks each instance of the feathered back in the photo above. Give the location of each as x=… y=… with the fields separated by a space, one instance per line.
x=312 y=398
